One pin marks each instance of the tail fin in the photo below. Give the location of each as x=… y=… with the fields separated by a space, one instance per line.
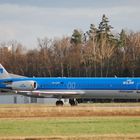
x=3 y=73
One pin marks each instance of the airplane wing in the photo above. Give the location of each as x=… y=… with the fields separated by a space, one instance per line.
x=52 y=93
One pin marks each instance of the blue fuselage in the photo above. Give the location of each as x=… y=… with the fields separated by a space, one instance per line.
x=91 y=87
x=81 y=83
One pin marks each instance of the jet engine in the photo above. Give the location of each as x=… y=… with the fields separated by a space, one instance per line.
x=23 y=85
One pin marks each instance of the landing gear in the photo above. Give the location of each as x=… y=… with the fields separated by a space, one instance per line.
x=59 y=103
x=73 y=102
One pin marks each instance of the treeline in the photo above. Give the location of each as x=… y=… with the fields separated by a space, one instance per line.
x=96 y=53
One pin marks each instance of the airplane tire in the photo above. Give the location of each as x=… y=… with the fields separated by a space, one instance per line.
x=59 y=103
x=73 y=102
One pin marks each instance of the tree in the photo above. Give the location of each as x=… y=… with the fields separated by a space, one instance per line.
x=104 y=30
x=122 y=39
x=105 y=44
x=45 y=55
x=89 y=51
x=76 y=37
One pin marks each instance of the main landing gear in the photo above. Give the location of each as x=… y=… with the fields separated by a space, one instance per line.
x=72 y=102
x=59 y=103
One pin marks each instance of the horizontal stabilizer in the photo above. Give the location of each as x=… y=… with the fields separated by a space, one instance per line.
x=4 y=74
x=16 y=76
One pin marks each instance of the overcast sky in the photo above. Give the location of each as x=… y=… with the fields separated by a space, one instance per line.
x=27 y=20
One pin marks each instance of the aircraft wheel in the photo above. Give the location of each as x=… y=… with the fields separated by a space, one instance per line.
x=59 y=103
x=73 y=102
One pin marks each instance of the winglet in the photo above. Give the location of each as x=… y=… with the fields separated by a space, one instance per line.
x=3 y=73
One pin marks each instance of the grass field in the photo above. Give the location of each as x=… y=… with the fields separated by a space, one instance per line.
x=70 y=126
x=98 y=121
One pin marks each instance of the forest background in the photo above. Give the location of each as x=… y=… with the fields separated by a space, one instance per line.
x=98 y=52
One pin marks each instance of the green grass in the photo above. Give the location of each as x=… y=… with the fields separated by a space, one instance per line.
x=69 y=126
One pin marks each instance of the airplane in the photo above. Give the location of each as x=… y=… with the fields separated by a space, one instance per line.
x=70 y=88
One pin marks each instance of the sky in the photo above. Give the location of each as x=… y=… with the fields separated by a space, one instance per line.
x=27 y=20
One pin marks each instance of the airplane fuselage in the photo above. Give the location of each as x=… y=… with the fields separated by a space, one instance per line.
x=81 y=87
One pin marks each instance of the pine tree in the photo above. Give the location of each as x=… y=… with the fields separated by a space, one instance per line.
x=76 y=37
x=104 y=30
x=122 y=39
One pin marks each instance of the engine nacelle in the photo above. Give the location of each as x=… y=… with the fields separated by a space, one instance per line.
x=23 y=85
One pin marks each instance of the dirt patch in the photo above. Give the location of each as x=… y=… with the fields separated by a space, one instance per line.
x=37 y=111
